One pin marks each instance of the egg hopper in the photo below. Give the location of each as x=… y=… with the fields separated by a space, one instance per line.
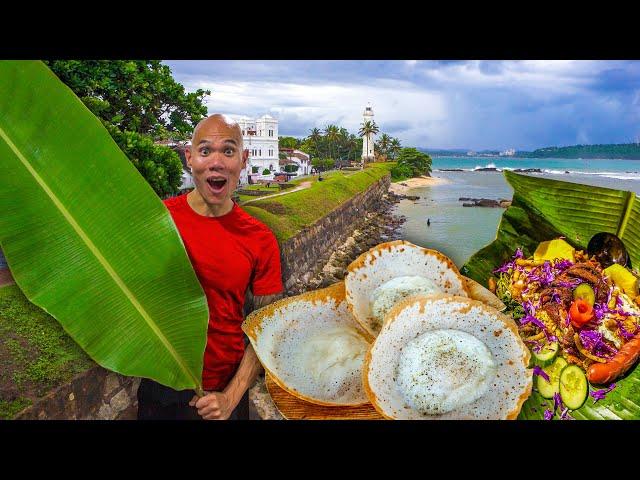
x=293 y=408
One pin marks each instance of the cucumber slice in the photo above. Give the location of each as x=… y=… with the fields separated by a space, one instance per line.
x=573 y=387
x=548 y=389
x=546 y=354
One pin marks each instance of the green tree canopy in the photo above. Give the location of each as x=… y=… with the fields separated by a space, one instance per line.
x=288 y=142
x=136 y=95
x=138 y=101
x=323 y=164
x=418 y=162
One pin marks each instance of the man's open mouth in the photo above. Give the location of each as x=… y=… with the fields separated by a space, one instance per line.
x=217 y=184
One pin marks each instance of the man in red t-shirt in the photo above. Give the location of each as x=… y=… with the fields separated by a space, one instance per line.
x=230 y=252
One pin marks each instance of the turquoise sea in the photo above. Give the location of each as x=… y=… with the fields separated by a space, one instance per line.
x=460 y=231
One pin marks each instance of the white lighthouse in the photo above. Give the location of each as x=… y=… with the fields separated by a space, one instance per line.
x=367 y=140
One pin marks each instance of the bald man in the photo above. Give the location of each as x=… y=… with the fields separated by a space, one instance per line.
x=230 y=252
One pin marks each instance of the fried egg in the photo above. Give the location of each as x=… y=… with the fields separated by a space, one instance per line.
x=447 y=357
x=312 y=346
x=442 y=370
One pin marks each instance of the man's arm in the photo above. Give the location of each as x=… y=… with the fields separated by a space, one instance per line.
x=220 y=405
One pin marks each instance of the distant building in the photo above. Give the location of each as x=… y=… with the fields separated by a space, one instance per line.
x=296 y=157
x=508 y=153
x=260 y=137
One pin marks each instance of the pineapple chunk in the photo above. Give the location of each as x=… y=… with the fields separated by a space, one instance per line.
x=553 y=249
x=623 y=278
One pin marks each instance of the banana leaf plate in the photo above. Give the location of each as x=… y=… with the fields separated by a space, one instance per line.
x=543 y=209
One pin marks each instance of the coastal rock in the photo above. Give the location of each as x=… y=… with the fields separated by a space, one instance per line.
x=450 y=170
x=485 y=202
x=401 y=196
x=528 y=170
x=485 y=169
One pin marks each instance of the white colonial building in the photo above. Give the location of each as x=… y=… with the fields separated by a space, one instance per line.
x=260 y=137
x=296 y=157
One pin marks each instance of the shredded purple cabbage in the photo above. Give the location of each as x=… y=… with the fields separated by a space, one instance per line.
x=565 y=414
x=573 y=284
x=536 y=346
x=555 y=297
x=557 y=401
x=599 y=311
x=609 y=296
x=539 y=371
x=543 y=274
x=623 y=331
x=601 y=394
x=592 y=341
x=528 y=308
x=563 y=264
x=510 y=264
x=531 y=319
x=557 y=404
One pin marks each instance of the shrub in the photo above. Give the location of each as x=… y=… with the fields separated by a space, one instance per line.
x=401 y=172
x=266 y=171
x=418 y=162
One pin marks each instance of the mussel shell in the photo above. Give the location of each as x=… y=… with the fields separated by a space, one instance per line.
x=608 y=249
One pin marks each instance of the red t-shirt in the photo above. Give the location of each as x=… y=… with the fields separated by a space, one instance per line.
x=229 y=254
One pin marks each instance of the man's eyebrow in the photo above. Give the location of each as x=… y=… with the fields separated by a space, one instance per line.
x=207 y=142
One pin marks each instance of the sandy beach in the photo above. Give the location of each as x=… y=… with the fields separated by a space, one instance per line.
x=403 y=186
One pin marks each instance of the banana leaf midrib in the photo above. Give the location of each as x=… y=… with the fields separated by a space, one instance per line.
x=98 y=255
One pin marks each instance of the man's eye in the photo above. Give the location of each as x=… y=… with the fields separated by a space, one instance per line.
x=229 y=151
x=204 y=151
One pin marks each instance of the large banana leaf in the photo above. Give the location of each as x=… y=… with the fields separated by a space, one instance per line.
x=543 y=209
x=87 y=239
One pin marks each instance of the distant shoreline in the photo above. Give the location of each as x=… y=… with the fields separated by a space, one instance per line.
x=505 y=157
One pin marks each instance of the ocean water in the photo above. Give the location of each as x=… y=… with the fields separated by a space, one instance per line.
x=459 y=231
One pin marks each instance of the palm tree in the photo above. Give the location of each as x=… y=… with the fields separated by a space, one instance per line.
x=343 y=139
x=384 y=144
x=332 y=134
x=315 y=136
x=368 y=127
x=395 y=147
x=351 y=144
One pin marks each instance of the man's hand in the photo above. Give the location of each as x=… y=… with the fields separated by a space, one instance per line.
x=213 y=406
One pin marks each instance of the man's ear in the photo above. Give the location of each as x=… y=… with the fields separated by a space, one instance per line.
x=187 y=156
x=245 y=157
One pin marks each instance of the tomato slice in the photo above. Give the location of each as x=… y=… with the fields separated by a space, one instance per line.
x=580 y=313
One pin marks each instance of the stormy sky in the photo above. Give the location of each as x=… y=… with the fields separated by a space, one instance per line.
x=434 y=104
